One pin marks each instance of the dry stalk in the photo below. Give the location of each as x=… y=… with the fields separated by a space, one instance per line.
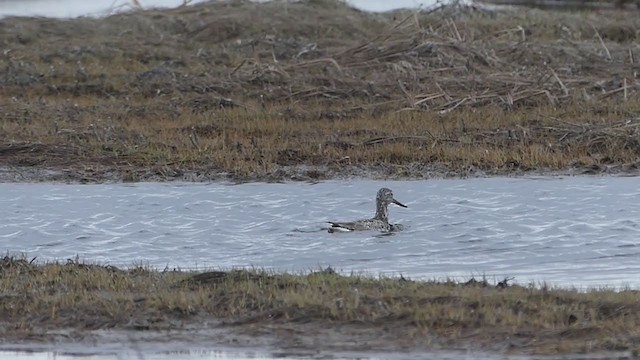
x=457 y=103
x=410 y=98
x=524 y=36
x=444 y=93
x=606 y=50
x=427 y=97
x=454 y=28
x=508 y=100
x=319 y=61
x=244 y=61
x=381 y=140
x=416 y=21
x=564 y=88
x=623 y=88
x=385 y=36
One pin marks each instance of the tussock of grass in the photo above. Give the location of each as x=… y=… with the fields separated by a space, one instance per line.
x=315 y=89
x=37 y=298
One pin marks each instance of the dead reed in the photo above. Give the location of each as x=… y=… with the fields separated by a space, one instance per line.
x=316 y=89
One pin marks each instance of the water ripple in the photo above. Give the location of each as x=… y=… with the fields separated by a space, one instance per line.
x=578 y=231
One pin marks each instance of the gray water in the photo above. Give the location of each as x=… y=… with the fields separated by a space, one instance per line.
x=573 y=231
x=75 y=8
x=226 y=354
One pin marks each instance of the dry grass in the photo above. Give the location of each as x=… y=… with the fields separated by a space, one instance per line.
x=204 y=90
x=82 y=297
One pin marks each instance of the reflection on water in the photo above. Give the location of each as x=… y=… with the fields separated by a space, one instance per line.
x=173 y=355
x=580 y=231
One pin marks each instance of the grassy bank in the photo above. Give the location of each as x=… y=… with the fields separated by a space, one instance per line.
x=314 y=90
x=38 y=300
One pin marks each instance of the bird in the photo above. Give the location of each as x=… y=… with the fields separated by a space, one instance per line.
x=380 y=222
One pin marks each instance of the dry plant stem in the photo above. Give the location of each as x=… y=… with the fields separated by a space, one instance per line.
x=604 y=46
x=564 y=88
x=225 y=96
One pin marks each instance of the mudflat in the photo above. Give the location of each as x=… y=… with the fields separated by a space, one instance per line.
x=315 y=90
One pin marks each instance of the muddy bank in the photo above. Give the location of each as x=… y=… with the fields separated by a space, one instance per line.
x=106 y=174
x=78 y=302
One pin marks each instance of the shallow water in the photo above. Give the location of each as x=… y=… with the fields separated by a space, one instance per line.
x=86 y=353
x=578 y=231
x=175 y=355
x=75 y=8
x=261 y=354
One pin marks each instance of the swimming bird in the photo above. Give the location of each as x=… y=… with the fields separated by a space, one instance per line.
x=379 y=222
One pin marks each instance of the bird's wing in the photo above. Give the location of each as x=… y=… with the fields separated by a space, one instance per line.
x=341 y=226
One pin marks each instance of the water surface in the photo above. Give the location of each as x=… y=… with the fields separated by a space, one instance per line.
x=266 y=355
x=580 y=231
x=76 y=8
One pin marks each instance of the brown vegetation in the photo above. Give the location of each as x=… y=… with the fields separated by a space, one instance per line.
x=40 y=300
x=315 y=89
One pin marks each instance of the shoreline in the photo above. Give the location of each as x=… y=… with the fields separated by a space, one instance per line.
x=290 y=174
x=76 y=302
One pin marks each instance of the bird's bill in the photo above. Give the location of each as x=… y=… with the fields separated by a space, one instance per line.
x=398 y=203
